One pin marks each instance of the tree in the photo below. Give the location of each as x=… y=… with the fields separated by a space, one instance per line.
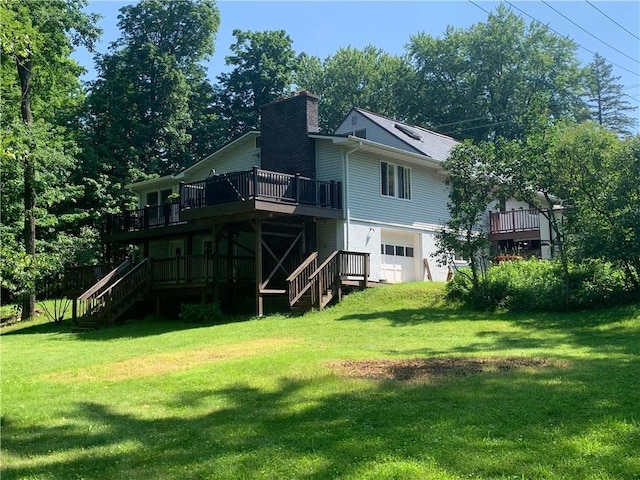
x=149 y=97
x=367 y=78
x=472 y=188
x=38 y=37
x=601 y=176
x=605 y=97
x=263 y=65
x=480 y=82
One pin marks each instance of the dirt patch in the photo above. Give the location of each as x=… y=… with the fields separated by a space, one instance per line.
x=436 y=369
x=165 y=363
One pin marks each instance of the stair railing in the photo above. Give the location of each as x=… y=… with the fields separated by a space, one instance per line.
x=124 y=291
x=87 y=303
x=298 y=281
x=325 y=281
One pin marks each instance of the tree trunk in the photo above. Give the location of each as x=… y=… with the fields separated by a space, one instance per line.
x=24 y=72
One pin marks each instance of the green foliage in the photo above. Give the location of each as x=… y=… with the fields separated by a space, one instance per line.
x=263 y=65
x=472 y=187
x=479 y=82
x=605 y=98
x=267 y=399
x=201 y=312
x=150 y=99
x=369 y=78
x=538 y=286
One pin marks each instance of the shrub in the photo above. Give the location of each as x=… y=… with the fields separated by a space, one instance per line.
x=201 y=312
x=538 y=285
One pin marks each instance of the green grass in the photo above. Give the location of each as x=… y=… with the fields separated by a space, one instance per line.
x=261 y=399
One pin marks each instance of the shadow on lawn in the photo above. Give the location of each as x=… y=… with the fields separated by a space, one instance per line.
x=520 y=424
x=147 y=327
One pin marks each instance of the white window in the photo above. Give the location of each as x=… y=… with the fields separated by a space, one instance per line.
x=395 y=178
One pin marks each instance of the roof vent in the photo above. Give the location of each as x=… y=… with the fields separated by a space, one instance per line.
x=407 y=131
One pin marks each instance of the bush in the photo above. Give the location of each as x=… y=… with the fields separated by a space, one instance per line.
x=538 y=285
x=201 y=312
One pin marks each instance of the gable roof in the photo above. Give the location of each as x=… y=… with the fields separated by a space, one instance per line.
x=432 y=144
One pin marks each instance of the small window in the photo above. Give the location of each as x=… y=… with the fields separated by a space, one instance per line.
x=258 y=142
x=360 y=133
x=408 y=252
x=387 y=177
x=404 y=182
x=354 y=120
x=388 y=249
x=399 y=251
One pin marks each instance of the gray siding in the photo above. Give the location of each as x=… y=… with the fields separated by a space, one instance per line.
x=429 y=194
x=375 y=132
x=329 y=161
x=327 y=238
x=242 y=157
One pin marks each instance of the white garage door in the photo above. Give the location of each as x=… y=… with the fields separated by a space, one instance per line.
x=398 y=251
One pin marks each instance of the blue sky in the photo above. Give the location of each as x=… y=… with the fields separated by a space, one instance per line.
x=320 y=28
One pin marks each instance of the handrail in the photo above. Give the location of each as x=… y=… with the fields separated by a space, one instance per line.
x=130 y=273
x=101 y=298
x=299 y=279
x=327 y=276
x=105 y=280
x=512 y=221
x=302 y=266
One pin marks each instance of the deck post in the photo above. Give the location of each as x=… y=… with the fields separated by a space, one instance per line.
x=214 y=264
x=367 y=266
x=258 y=247
x=255 y=182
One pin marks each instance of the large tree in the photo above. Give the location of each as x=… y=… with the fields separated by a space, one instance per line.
x=38 y=38
x=150 y=96
x=600 y=179
x=479 y=82
x=369 y=78
x=263 y=65
x=605 y=97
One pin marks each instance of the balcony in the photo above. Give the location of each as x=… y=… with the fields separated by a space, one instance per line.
x=514 y=225
x=260 y=190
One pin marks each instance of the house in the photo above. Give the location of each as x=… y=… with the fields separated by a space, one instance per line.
x=286 y=216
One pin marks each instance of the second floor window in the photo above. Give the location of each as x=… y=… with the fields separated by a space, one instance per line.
x=395 y=180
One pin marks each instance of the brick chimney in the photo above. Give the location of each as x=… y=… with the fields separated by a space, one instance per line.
x=285 y=125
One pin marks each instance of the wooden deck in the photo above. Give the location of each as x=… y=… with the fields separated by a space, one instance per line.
x=514 y=224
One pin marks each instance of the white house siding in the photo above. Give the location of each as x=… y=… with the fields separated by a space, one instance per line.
x=374 y=131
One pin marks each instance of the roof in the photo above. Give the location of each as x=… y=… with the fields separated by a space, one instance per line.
x=429 y=143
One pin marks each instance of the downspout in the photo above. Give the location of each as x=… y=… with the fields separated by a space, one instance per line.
x=346 y=191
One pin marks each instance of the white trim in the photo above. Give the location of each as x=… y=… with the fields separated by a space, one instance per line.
x=424 y=227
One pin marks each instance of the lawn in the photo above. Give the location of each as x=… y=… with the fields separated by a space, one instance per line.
x=390 y=384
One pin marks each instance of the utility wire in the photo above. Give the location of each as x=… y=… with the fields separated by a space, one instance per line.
x=564 y=36
x=630 y=33
x=589 y=33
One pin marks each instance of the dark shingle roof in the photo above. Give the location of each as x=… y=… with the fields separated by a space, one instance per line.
x=432 y=144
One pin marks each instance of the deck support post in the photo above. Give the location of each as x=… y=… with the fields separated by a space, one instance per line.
x=258 y=247
x=215 y=259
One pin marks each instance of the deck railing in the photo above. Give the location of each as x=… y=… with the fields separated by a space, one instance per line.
x=144 y=218
x=87 y=303
x=260 y=184
x=201 y=269
x=323 y=282
x=299 y=279
x=80 y=278
x=513 y=221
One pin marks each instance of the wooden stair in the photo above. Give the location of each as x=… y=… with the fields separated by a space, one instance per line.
x=112 y=297
x=312 y=286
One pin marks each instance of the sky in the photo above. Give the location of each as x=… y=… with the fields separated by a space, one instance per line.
x=611 y=28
